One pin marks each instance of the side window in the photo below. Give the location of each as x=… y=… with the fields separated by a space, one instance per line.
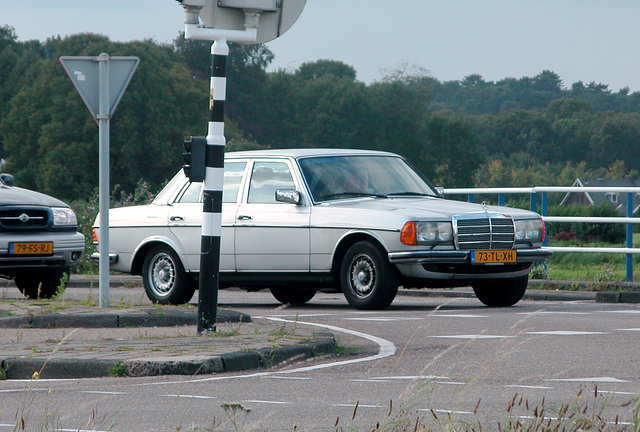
x=266 y=178
x=191 y=194
x=233 y=172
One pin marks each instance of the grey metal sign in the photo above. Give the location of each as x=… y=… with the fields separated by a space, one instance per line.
x=85 y=75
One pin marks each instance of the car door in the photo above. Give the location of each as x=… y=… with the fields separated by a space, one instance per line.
x=271 y=236
x=185 y=218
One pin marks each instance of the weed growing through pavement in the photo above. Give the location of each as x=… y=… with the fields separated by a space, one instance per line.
x=236 y=413
x=118 y=370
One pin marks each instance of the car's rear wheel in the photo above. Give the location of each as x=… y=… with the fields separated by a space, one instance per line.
x=288 y=295
x=42 y=283
x=501 y=292
x=164 y=278
x=368 y=280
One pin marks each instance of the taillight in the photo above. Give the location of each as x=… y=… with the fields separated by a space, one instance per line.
x=94 y=235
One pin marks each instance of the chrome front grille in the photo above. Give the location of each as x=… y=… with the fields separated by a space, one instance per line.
x=23 y=219
x=483 y=231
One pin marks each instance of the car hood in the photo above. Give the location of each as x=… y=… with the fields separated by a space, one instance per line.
x=11 y=195
x=425 y=208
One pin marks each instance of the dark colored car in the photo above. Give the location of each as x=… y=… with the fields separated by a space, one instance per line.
x=39 y=240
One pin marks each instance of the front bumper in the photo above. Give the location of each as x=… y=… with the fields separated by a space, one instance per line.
x=462 y=257
x=456 y=265
x=68 y=248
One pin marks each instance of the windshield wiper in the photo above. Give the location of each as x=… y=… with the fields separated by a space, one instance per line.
x=410 y=194
x=350 y=194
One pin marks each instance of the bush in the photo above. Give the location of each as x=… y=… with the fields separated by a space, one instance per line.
x=588 y=232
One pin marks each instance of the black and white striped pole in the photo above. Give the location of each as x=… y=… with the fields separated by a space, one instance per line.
x=233 y=21
x=212 y=194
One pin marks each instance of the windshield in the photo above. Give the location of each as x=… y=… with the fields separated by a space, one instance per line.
x=339 y=177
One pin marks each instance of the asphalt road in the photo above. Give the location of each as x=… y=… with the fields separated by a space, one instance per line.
x=421 y=358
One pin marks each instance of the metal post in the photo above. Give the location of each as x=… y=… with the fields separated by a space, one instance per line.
x=544 y=212
x=502 y=199
x=212 y=207
x=533 y=202
x=103 y=160
x=629 y=237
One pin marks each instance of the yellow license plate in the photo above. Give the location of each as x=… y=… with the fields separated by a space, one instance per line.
x=31 y=248
x=493 y=256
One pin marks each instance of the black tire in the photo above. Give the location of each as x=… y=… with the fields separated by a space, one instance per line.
x=367 y=278
x=42 y=283
x=164 y=278
x=294 y=296
x=501 y=292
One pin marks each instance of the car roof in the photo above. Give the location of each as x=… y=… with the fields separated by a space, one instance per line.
x=306 y=152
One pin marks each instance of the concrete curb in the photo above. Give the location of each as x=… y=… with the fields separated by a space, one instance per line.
x=324 y=344
x=112 y=319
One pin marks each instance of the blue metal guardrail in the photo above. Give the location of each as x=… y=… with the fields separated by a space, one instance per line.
x=538 y=194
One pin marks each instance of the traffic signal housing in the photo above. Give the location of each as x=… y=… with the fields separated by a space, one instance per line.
x=195 y=158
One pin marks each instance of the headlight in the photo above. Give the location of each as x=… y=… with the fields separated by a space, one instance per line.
x=426 y=233
x=531 y=230
x=63 y=216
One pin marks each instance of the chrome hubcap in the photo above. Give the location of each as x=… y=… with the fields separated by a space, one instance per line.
x=363 y=275
x=162 y=274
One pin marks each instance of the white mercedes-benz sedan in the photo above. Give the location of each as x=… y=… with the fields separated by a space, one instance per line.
x=307 y=220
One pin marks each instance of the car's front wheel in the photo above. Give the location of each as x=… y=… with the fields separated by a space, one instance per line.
x=288 y=295
x=368 y=280
x=501 y=292
x=42 y=283
x=164 y=278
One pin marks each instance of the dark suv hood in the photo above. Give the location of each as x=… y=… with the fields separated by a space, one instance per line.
x=11 y=195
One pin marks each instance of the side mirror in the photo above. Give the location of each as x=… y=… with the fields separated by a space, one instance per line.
x=290 y=196
x=7 y=179
x=440 y=191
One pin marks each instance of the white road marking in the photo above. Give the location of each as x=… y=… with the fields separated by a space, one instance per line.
x=566 y=333
x=529 y=387
x=383 y=319
x=185 y=396
x=458 y=316
x=12 y=426
x=102 y=392
x=288 y=378
x=410 y=377
x=267 y=402
x=387 y=349
x=622 y=312
x=472 y=337
x=446 y=411
x=592 y=380
x=629 y=329
x=554 y=313
x=359 y=406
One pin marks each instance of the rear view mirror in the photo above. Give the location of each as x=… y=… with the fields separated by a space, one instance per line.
x=290 y=196
x=7 y=179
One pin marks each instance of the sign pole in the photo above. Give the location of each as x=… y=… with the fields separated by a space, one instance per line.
x=103 y=116
x=101 y=82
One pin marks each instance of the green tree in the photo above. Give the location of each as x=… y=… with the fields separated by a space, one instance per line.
x=50 y=140
x=319 y=68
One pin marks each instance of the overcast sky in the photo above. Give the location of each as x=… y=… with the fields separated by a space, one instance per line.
x=581 y=40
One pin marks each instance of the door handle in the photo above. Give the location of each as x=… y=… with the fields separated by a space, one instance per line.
x=244 y=217
x=176 y=218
